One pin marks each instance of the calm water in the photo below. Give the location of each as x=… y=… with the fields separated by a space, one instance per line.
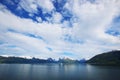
x=58 y=72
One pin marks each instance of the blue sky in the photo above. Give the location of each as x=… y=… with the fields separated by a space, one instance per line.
x=59 y=28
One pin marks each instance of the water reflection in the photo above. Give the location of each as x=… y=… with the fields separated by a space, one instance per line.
x=58 y=72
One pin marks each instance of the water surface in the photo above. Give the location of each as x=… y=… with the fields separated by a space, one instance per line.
x=58 y=72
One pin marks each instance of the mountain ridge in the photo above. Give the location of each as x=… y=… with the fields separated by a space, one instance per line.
x=107 y=58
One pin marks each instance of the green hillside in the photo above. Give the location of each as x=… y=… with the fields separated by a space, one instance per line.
x=108 y=58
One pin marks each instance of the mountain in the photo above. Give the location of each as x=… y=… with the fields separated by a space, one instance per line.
x=108 y=58
x=25 y=60
x=37 y=60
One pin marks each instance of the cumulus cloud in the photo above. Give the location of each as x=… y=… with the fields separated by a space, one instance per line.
x=82 y=36
x=57 y=17
x=95 y=18
x=33 y=5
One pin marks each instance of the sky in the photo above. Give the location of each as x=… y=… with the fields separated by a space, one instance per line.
x=59 y=28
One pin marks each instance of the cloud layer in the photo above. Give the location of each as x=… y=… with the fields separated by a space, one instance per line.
x=59 y=28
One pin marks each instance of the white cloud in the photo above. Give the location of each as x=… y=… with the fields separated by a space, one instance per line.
x=89 y=24
x=46 y=5
x=95 y=18
x=33 y=5
x=39 y=19
x=31 y=45
x=56 y=18
x=28 y=5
